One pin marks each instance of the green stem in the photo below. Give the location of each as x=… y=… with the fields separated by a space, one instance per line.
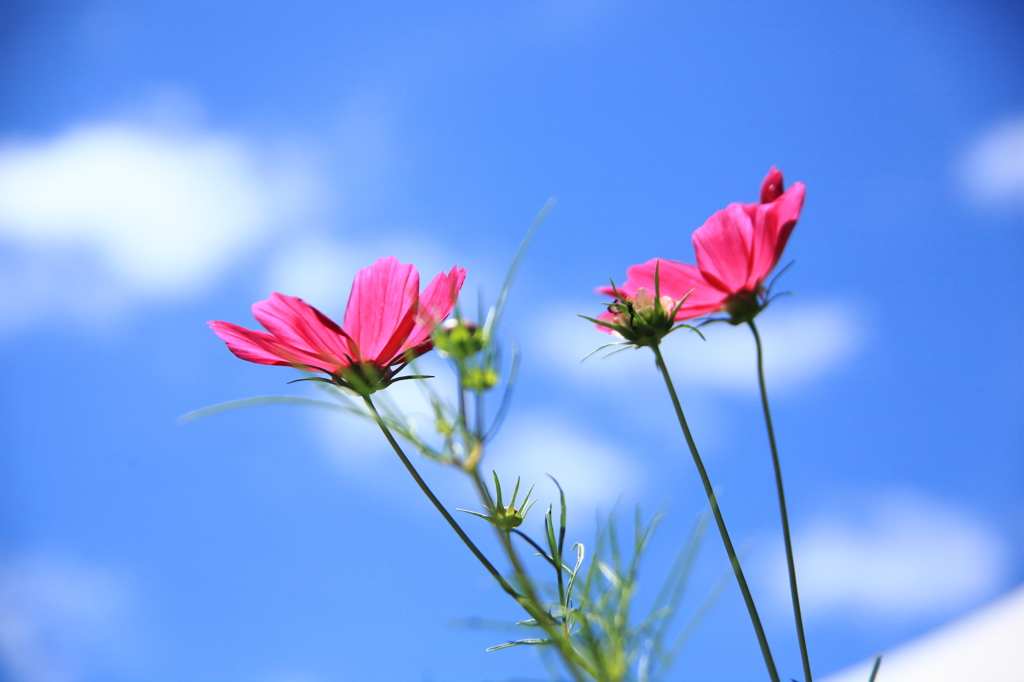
x=570 y=657
x=713 y=501
x=782 y=508
x=875 y=667
x=437 y=503
x=526 y=601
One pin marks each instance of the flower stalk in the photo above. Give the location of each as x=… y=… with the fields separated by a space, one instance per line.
x=437 y=503
x=571 y=658
x=762 y=640
x=805 y=659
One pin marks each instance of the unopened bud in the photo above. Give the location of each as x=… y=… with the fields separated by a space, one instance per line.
x=643 y=302
x=772 y=186
x=480 y=378
x=458 y=338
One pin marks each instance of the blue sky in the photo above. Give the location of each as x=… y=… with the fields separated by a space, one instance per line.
x=162 y=165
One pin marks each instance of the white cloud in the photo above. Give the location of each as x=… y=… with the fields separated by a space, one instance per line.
x=908 y=558
x=984 y=645
x=62 y=621
x=106 y=213
x=993 y=170
x=592 y=472
x=801 y=343
x=356 y=445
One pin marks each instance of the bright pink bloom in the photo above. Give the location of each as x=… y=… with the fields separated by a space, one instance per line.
x=736 y=249
x=387 y=323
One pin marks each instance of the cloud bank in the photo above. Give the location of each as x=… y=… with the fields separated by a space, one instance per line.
x=801 y=343
x=107 y=213
x=993 y=170
x=906 y=557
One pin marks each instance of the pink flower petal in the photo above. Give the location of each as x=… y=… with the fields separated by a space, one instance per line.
x=782 y=217
x=261 y=347
x=676 y=280
x=773 y=223
x=436 y=303
x=297 y=324
x=381 y=310
x=723 y=245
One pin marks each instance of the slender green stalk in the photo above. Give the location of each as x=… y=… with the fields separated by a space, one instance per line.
x=573 y=662
x=875 y=667
x=572 y=659
x=713 y=501
x=437 y=503
x=782 y=509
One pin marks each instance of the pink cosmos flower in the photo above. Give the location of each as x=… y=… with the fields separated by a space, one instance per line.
x=387 y=323
x=736 y=249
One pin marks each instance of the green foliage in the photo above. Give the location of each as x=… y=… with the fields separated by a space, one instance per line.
x=595 y=609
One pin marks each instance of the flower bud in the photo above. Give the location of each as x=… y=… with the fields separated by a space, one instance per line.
x=643 y=302
x=772 y=186
x=458 y=339
x=480 y=378
x=502 y=516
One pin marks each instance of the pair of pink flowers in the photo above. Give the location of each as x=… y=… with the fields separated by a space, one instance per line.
x=736 y=249
x=387 y=323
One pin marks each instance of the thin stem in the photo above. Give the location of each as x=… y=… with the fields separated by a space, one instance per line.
x=782 y=508
x=875 y=667
x=437 y=503
x=713 y=501
x=528 y=601
x=572 y=659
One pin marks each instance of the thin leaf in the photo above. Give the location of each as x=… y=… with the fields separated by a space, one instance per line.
x=575 y=570
x=533 y=543
x=510 y=383
x=254 y=402
x=515 y=492
x=780 y=273
x=495 y=317
x=518 y=642
x=607 y=345
x=482 y=516
x=605 y=357
x=614 y=327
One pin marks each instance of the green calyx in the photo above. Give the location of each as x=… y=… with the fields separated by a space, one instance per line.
x=644 y=318
x=744 y=306
x=362 y=378
x=502 y=516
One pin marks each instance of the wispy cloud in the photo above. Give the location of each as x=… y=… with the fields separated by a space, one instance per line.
x=801 y=343
x=993 y=169
x=136 y=209
x=904 y=557
x=63 y=621
x=593 y=472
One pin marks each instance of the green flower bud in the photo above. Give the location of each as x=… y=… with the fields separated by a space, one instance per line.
x=458 y=339
x=502 y=516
